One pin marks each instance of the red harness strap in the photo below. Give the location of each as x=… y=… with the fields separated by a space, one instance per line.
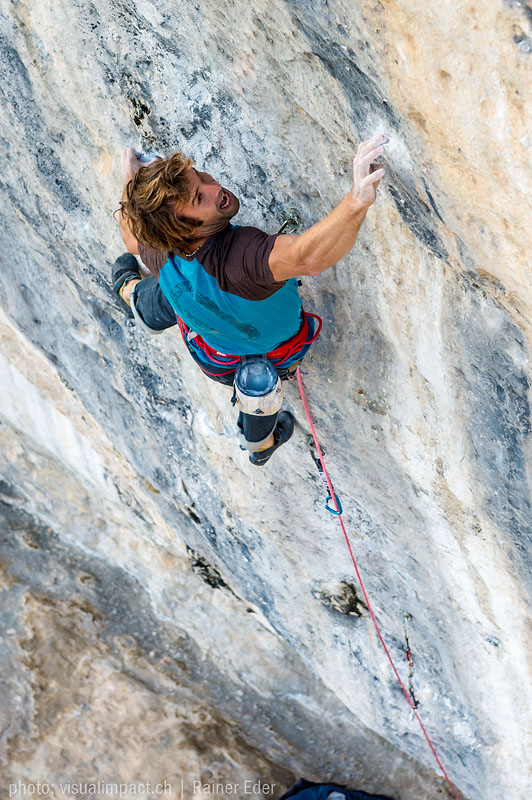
x=281 y=354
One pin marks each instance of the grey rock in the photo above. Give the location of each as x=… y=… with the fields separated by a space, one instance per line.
x=171 y=611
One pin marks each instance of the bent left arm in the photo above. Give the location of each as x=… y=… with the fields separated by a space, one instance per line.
x=132 y=246
x=130 y=165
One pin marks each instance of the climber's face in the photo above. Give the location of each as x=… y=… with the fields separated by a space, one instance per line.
x=208 y=202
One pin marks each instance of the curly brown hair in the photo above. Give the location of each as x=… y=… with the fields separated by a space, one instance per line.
x=151 y=199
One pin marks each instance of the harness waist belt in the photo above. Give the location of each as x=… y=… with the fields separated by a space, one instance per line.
x=281 y=353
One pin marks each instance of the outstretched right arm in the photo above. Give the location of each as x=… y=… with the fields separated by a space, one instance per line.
x=329 y=240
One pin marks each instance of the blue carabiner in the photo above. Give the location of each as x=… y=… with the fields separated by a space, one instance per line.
x=333 y=510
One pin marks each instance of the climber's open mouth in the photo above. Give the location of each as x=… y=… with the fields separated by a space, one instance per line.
x=226 y=201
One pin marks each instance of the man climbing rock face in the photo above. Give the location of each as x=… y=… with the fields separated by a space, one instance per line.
x=232 y=290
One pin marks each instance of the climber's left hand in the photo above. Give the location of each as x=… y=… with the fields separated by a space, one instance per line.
x=131 y=163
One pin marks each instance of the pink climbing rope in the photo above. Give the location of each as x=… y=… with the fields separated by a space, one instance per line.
x=338 y=514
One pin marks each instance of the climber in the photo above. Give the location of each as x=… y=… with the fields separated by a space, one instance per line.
x=306 y=790
x=232 y=290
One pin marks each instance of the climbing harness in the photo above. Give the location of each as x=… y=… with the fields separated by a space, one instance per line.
x=338 y=509
x=409 y=659
x=284 y=357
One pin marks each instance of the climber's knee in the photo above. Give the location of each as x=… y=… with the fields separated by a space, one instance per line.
x=258 y=396
x=257 y=387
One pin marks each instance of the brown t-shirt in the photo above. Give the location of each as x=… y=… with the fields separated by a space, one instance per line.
x=236 y=257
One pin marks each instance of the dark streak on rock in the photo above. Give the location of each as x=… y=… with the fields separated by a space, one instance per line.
x=523 y=42
x=210 y=574
x=416 y=214
x=7 y=490
x=140 y=110
x=432 y=201
x=106 y=320
x=17 y=95
x=522 y=5
x=366 y=104
x=499 y=424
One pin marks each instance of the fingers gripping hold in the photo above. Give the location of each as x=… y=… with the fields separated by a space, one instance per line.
x=373 y=177
x=366 y=172
x=132 y=161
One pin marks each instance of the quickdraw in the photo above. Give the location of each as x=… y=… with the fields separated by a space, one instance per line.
x=291 y=222
x=409 y=659
x=313 y=452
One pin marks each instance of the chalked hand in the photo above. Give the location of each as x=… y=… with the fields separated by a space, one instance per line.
x=132 y=161
x=367 y=173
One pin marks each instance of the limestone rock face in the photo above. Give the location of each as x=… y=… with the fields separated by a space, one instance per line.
x=171 y=613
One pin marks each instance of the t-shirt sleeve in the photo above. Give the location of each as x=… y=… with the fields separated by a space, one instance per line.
x=153 y=259
x=244 y=267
